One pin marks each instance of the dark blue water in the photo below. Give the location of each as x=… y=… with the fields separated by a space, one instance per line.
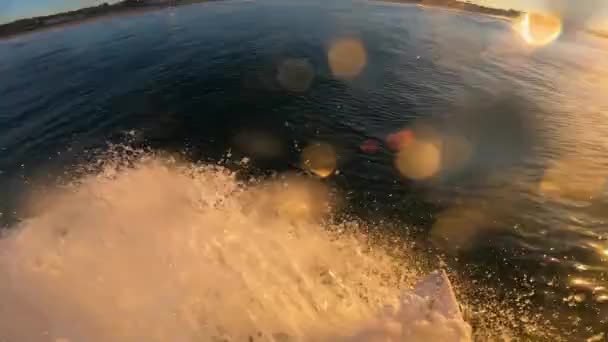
x=193 y=79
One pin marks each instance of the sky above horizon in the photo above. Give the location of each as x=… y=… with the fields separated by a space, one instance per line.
x=594 y=11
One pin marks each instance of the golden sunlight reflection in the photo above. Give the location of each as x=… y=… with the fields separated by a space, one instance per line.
x=582 y=283
x=539 y=29
x=347 y=58
x=602 y=251
x=603 y=298
x=296 y=75
x=319 y=158
x=575 y=179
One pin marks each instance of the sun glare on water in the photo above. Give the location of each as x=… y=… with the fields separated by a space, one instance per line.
x=539 y=29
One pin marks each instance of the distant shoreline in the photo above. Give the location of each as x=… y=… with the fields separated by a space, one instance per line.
x=24 y=26
x=34 y=24
x=461 y=6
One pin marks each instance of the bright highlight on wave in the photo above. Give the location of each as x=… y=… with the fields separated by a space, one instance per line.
x=539 y=29
x=574 y=179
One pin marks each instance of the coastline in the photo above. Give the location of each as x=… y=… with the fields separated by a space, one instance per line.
x=493 y=16
x=125 y=7
x=466 y=7
x=460 y=6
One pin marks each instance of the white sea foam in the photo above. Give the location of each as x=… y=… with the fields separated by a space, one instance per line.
x=163 y=251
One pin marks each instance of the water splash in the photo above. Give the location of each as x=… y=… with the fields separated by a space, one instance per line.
x=161 y=251
x=147 y=248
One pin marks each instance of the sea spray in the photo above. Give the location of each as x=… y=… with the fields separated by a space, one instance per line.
x=160 y=250
x=142 y=247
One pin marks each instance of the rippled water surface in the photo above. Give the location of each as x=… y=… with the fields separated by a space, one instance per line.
x=442 y=134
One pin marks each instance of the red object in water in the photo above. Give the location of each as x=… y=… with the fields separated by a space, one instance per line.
x=370 y=146
x=398 y=140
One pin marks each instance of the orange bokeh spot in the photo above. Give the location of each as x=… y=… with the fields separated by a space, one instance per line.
x=370 y=146
x=347 y=58
x=418 y=160
x=398 y=140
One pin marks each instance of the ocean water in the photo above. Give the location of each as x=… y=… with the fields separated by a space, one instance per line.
x=153 y=186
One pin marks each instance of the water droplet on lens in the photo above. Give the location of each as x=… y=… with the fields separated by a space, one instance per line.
x=320 y=159
x=347 y=58
x=419 y=160
x=296 y=75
